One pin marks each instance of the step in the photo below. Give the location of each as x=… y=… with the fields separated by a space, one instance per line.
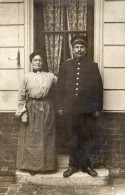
x=56 y=179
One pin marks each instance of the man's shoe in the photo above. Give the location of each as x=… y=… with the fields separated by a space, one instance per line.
x=70 y=171
x=32 y=172
x=90 y=171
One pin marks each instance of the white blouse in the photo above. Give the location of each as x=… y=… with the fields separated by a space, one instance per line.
x=34 y=85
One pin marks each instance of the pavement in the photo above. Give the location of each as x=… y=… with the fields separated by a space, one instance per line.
x=8 y=186
x=55 y=184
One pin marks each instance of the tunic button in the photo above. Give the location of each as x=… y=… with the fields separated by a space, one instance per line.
x=76 y=94
x=77 y=83
x=77 y=89
x=78 y=63
x=78 y=68
x=77 y=78
x=78 y=73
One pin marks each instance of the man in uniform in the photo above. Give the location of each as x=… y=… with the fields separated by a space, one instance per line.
x=80 y=99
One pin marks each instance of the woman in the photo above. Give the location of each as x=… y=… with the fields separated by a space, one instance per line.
x=36 y=145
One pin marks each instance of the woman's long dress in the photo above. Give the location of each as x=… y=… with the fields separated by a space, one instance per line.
x=36 y=144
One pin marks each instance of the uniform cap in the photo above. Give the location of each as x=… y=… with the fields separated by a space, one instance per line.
x=79 y=39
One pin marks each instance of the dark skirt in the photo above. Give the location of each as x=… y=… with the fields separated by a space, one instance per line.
x=36 y=144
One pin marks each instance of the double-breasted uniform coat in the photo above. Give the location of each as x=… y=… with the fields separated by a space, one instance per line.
x=79 y=95
x=79 y=87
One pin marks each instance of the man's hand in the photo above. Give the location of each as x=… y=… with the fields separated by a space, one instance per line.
x=60 y=112
x=96 y=114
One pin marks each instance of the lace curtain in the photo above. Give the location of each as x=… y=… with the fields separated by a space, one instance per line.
x=53 y=18
x=53 y=21
x=76 y=17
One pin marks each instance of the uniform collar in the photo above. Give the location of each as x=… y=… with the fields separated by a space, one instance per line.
x=79 y=59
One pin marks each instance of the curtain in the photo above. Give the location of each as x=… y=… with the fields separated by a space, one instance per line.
x=53 y=22
x=76 y=17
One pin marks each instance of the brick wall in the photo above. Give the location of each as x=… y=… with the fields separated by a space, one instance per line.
x=9 y=129
x=112 y=126
x=110 y=150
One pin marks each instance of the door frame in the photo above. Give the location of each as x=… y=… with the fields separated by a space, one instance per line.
x=98 y=31
x=29 y=31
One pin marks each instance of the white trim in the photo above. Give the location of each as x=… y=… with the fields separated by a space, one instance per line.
x=29 y=31
x=98 y=33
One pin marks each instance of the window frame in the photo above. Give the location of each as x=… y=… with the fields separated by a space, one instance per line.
x=89 y=32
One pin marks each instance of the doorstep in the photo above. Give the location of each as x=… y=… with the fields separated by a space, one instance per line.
x=57 y=179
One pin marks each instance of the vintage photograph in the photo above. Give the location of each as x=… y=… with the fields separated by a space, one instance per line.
x=62 y=97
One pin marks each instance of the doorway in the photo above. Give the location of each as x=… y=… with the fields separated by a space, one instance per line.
x=55 y=23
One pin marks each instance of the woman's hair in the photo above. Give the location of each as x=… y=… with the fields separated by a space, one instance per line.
x=42 y=55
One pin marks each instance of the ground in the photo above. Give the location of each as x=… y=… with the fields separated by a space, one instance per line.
x=8 y=186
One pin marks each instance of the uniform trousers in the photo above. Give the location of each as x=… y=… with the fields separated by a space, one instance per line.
x=81 y=130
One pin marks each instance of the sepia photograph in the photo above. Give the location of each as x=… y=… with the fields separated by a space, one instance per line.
x=62 y=97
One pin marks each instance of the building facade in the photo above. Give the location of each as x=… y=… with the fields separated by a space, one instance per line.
x=18 y=38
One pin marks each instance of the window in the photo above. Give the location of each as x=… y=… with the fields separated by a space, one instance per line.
x=56 y=21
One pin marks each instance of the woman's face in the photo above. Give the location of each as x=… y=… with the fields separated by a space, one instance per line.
x=37 y=62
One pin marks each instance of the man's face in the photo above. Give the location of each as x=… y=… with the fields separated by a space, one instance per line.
x=79 y=50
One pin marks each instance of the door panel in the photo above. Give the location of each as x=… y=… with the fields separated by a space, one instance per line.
x=114 y=11
x=8 y=58
x=114 y=33
x=8 y=100
x=114 y=100
x=11 y=14
x=114 y=56
x=9 y=36
x=114 y=78
x=10 y=81
x=11 y=1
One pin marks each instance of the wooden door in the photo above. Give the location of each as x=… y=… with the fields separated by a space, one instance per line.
x=16 y=43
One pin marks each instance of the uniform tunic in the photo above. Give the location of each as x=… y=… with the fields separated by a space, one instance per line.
x=79 y=95
x=36 y=145
x=79 y=87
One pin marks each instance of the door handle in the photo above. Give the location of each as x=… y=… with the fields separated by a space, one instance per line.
x=16 y=58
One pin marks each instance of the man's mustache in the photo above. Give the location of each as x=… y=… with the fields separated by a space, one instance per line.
x=79 y=52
